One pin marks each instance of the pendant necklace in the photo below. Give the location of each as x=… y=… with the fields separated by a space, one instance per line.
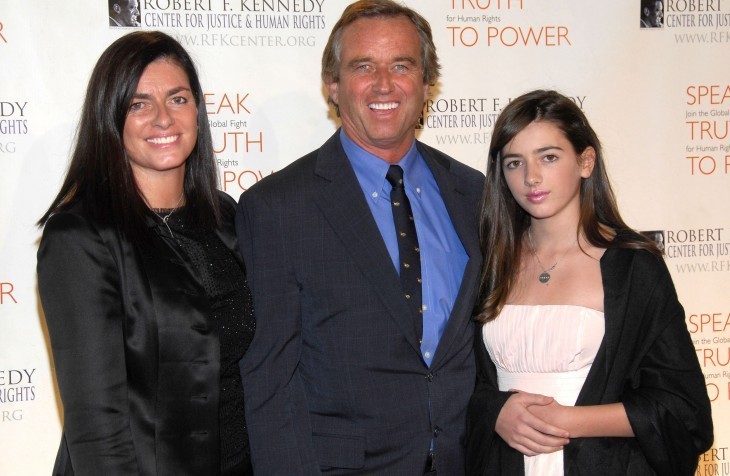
x=545 y=275
x=167 y=217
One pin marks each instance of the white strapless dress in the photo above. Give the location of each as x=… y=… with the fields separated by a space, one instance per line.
x=546 y=349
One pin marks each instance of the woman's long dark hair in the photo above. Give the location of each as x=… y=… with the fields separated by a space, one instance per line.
x=503 y=222
x=99 y=174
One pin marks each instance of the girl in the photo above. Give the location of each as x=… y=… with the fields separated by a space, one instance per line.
x=585 y=362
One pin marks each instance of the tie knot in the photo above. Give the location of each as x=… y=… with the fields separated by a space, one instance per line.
x=395 y=176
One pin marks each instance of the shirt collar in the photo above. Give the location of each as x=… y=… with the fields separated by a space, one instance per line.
x=371 y=169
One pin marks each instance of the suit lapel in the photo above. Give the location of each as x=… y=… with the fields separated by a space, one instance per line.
x=343 y=205
x=463 y=215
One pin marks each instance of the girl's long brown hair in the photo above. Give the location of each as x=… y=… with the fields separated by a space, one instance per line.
x=503 y=222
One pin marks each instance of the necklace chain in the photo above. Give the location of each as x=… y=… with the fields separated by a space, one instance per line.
x=167 y=217
x=545 y=275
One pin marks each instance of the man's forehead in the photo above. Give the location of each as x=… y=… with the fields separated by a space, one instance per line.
x=364 y=31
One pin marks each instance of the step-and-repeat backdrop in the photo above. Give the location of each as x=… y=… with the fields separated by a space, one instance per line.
x=656 y=89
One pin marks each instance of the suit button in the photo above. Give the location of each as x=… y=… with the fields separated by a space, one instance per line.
x=429 y=377
x=436 y=431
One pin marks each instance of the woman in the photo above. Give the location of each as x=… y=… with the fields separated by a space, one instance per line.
x=144 y=295
x=585 y=362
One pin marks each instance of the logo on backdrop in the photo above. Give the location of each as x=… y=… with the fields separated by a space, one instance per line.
x=657 y=236
x=696 y=14
x=710 y=331
x=6 y=293
x=498 y=24
x=2 y=36
x=714 y=462
x=464 y=121
x=13 y=123
x=235 y=141
x=694 y=250
x=652 y=14
x=707 y=126
x=17 y=386
x=692 y=21
x=124 y=13
x=239 y=23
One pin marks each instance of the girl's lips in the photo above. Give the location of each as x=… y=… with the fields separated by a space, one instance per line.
x=537 y=196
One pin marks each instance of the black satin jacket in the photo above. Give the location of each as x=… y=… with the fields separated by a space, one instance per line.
x=137 y=361
x=646 y=361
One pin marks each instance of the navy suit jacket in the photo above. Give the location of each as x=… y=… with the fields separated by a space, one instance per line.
x=335 y=382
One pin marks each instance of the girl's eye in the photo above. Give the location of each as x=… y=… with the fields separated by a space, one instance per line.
x=512 y=164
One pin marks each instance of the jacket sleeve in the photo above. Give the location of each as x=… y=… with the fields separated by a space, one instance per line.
x=276 y=406
x=485 y=449
x=665 y=396
x=79 y=287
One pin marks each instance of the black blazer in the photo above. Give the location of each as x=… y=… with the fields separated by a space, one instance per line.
x=646 y=360
x=137 y=362
x=334 y=377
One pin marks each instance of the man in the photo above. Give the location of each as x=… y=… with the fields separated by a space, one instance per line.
x=123 y=13
x=361 y=365
x=652 y=13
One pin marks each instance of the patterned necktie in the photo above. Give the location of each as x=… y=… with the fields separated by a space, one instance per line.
x=408 y=250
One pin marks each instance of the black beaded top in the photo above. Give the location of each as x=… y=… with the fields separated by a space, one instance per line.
x=231 y=304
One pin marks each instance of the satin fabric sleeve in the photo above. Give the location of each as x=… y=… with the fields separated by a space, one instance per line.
x=279 y=429
x=665 y=396
x=79 y=287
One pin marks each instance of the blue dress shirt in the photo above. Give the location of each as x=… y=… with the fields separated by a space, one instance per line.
x=443 y=258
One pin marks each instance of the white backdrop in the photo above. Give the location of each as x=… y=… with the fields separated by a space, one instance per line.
x=659 y=99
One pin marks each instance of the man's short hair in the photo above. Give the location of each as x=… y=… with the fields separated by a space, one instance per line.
x=373 y=9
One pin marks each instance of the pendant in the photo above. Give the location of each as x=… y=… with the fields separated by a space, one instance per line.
x=544 y=277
